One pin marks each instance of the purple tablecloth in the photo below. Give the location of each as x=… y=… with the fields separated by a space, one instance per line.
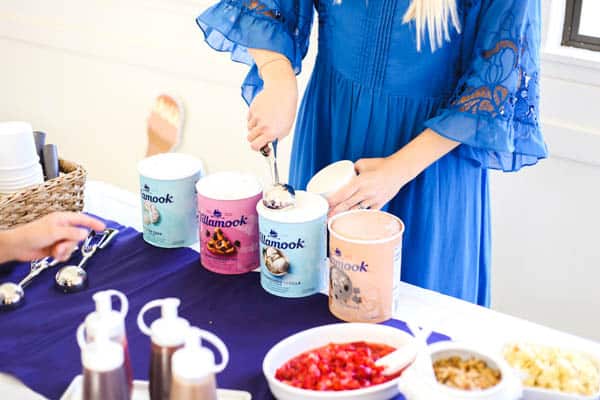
x=37 y=341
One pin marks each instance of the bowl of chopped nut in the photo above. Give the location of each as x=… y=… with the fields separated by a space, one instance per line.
x=460 y=372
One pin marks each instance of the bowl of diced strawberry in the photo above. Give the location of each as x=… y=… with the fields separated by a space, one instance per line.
x=335 y=362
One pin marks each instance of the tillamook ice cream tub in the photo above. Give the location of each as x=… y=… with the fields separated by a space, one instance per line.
x=293 y=251
x=228 y=222
x=168 y=196
x=365 y=253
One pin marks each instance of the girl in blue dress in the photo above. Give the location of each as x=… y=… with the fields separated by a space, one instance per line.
x=424 y=95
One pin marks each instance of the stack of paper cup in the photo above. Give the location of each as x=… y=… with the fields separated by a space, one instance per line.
x=19 y=162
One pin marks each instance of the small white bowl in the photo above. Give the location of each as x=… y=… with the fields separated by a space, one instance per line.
x=416 y=385
x=546 y=394
x=321 y=336
x=530 y=393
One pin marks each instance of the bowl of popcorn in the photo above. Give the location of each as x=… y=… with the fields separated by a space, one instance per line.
x=554 y=373
x=457 y=371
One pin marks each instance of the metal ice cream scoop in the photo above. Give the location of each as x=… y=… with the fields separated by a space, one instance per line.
x=278 y=195
x=12 y=295
x=73 y=278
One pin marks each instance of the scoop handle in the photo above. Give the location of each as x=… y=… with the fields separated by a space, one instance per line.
x=269 y=152
x=398 y=360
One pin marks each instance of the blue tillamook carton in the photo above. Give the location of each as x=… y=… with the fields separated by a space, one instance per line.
x=168 y=197
x=293 y=246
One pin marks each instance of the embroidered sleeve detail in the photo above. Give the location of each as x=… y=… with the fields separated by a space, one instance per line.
x=262 y=9
x=504 y=81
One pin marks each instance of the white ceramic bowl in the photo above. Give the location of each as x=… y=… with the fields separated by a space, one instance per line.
x=530 y=393
x=416 y=385
x=17 y=146
x=321 y=336
x=544 y=394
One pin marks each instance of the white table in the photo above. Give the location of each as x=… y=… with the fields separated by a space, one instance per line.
x=460 y=320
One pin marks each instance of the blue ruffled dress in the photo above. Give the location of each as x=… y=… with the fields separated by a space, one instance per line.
x=371 y=92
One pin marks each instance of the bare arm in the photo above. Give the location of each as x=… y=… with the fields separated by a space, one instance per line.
x=420 y=153
x=272 y=113
x=380 y=179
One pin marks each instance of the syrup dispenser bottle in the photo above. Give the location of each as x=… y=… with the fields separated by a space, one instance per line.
x=167 y=335
x=194 y=367
x=104 y=376
x=105 y=317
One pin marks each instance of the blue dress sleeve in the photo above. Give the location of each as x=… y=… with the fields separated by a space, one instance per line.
x=494 y=110
x=278 y=25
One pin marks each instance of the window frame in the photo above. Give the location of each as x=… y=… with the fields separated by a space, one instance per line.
x=571 y=36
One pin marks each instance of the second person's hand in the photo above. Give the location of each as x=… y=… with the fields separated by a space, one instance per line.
x=53 y=235
x=272 y=113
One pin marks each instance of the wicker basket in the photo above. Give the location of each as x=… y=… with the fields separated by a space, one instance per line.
x=64 y=193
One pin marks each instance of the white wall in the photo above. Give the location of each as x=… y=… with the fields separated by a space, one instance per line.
x=545 y=250
x=87 y=72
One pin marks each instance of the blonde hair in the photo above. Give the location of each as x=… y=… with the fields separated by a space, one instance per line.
x=433 y=16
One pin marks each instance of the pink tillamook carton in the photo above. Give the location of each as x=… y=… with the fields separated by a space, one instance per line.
x=365 y=255
x=229 y=222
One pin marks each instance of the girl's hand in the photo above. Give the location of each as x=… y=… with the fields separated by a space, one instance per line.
x=379 y=180
x=54 y=235
x=273 y=110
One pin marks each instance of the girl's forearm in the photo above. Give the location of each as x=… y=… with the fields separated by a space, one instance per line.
x=272 y=66
x=420 y=153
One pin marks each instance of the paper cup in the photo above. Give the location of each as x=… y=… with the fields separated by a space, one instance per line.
x=332 y=178
x=35 y=177
x=293 y=246
x=22 y=175
x=17 y=147
x=229 y=222
x=365 y=253
x=168 y=197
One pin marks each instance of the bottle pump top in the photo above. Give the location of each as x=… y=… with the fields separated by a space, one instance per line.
x=193 y=361
x=102 y=354
x=169 y=329
x=105 y=315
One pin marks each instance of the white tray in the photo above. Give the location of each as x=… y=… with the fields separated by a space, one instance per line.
x=140 y=391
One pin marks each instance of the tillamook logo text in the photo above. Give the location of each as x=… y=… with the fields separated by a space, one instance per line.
x=146 y=195
x=346 y=266
x=272 y=242
x=207 y=219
